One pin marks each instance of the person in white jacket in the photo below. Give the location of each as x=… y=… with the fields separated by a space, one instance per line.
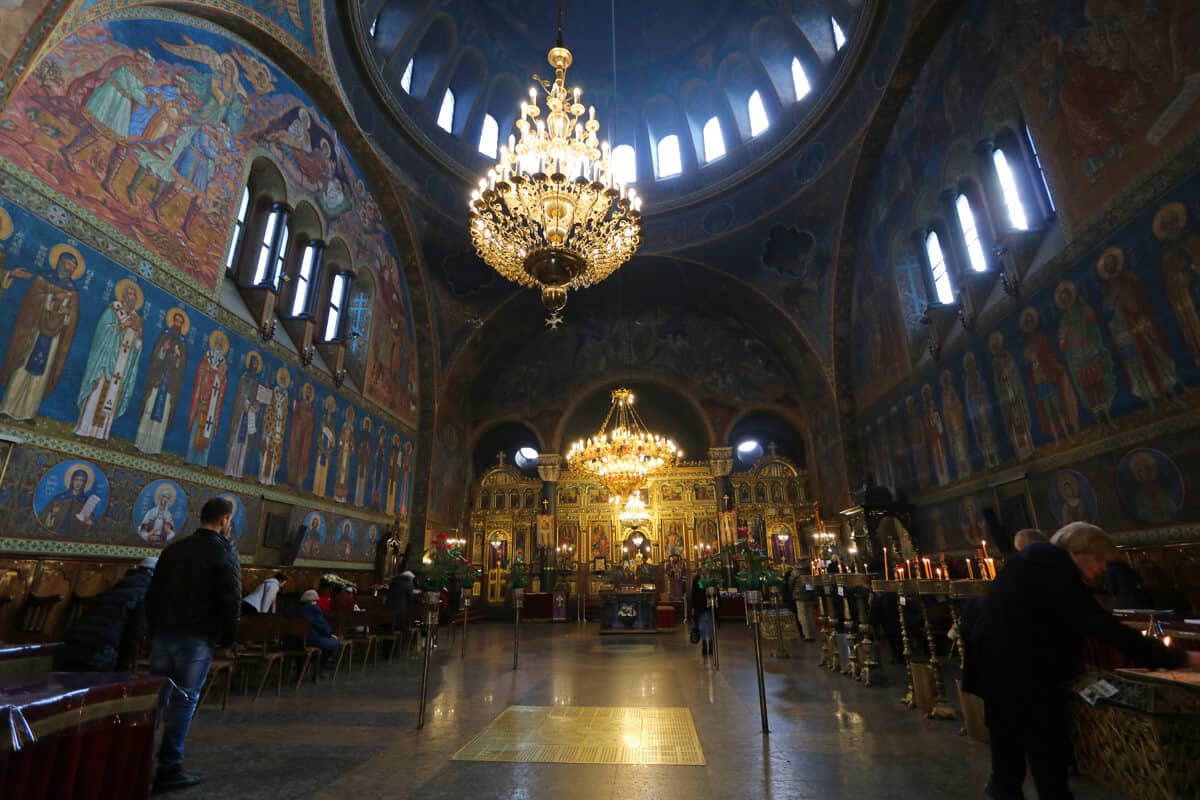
x=262 y=600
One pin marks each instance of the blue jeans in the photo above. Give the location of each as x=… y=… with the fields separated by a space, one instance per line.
x=704 y=619
x=185 y=660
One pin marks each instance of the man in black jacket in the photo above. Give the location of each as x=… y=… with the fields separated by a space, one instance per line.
x=105 y=636
x=194 y=603
x=1028 y=644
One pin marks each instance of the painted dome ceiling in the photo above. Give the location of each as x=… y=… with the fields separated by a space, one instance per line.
x=743 y=245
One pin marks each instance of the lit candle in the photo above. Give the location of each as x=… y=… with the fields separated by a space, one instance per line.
x=900 y=572
x=886 y=574
x=970 y=570
x=992 y=568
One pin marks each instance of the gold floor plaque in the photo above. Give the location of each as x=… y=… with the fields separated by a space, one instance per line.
x=588 y=735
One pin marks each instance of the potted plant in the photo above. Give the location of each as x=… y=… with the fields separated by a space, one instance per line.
x=518 y=572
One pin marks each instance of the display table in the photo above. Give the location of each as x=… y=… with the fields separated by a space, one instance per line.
x=538 y=606
x=665 y=616
x=70 y=734
x=1145 y=740
x=631 y=611
x=21 y=660
x=731 y=605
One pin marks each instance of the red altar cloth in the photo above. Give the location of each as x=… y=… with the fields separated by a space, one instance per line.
x=78 y=735
x=538 y=605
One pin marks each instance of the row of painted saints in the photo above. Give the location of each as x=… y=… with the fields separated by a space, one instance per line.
x=364 y=470
x=1064 y=371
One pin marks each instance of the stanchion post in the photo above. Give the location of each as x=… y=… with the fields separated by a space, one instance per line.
x=466 y=601
x=432 y=599
x=754 y=618
x=518 y=601
x=712 y=613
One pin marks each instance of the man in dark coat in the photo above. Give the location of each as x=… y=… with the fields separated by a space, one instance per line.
x=1028 y=644
x=399 y=598
x=194 y=603
x=104 y=638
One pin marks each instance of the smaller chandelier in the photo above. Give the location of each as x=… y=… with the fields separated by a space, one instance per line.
x=551 y=213
x=635 y=514
x=623 y=452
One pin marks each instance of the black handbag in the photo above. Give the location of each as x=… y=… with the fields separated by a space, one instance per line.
x=694 y=636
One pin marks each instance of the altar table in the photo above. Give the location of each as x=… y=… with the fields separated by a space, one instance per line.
x=65 y=735
x=628 y=611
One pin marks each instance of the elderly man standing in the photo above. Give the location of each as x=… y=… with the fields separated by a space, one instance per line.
x=1028 y=644
x=194 y=602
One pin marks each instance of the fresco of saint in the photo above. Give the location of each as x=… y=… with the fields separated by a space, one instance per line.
x=326 y=440
x=956 y=425
x=1181 y=277
x=1137 y=333
x=42 y=334
x=300 y=436
x=1057 y=408
x=1010 y=391
x=112 y=363
x=274 y=428
x=978 y=406
x=935 y=431
x=362 y=463
x=164 y=382
x=917 y=441
x=208 y=398
x=1082 y=343
x=345 y=450
x=247 y=417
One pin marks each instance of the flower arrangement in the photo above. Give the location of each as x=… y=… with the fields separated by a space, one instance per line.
x=518 y=572
x=440 y=563
x=757 y=571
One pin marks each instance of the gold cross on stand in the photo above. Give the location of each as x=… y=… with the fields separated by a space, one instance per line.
x=500 y=459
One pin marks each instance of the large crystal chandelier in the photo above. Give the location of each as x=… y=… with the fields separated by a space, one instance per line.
x=635 y=514
x=551 y=214
x=623 y=452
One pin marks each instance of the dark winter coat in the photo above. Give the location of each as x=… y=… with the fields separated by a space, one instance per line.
x=197 y=589
x=104 y=638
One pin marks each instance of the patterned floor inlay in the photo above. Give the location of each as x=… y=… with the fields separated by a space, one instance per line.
x=588 y=735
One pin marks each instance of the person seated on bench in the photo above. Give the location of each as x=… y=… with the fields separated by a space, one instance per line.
x=105 y=637
x=262 y=600
x=320 y=634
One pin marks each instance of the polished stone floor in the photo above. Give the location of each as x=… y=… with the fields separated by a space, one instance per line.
x=830 y=737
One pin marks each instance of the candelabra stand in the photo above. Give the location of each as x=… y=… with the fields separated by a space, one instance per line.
x=928 y=593
x=754 y=619
x=466 y=602
x=432 y=601
x=828 y=627
x=843 y=584
x=711 y=591
x=903 y=590
x=780 y=650
x=518 y=601
x=959 y=591
x=869 y=667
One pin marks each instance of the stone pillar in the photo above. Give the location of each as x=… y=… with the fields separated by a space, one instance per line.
x=549 y=469
x=720 y=465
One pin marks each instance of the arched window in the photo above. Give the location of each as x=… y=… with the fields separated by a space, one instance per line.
x=374 y=27
x=839 y=37
x=669 y=162
x=714 y=142
x=937 y=268
x=406 y=78
x=281 y=253
x=800 y=80
x=310 y=264
x=970 y=233
x=758 y=113
x=445 y=118
x=489 y=136
x=269 y=252
x=1008 y=187
x=1037 y=163
x=337 y=299
x=239 y=232
x=624 y=164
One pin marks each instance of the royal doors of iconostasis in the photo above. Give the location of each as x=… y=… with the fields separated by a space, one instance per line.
x=496 y=565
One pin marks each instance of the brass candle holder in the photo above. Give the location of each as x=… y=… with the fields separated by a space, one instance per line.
x=903 y=590
x=928 y=593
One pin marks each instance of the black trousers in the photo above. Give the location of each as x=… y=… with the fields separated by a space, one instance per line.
x=1033 y=729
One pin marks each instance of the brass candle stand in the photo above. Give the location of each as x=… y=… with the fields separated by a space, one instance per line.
x=845 y=583
x=959 y=591
x=828 y=626
x=903 y=590
x=865 y=651
x=928 y=593
x=779 y=650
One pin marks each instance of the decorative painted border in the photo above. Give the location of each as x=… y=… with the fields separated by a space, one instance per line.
x=10 y=546
x=355 y=565
x=86 y=451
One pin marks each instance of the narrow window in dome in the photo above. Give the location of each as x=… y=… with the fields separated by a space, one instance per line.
x=446 y=113
x=1008 y=186
x=937 y=268
x=839 y=38
x=406 y=78
x=714 y=142
x=239 y=230
x=276 y=226
x=800 y=80
x=281 y=254
x=374 y=27
x=333 y=316
x=970 y=233
x=668 y=156
x=489 y=137
x=758 y=114
x=1037 y=162
x=624 y=164
x=309 y=264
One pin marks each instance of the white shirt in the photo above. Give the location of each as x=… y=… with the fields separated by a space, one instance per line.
x=263 y=598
